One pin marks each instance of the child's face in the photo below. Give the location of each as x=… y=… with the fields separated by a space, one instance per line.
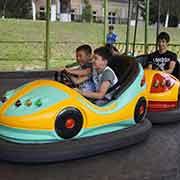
x=162 y=44
x=82 y=57
x=110 y=31
x=98 y=62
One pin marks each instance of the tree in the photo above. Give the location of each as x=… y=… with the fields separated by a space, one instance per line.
x=168 y=7
x=3 y=7
x=15 y=8
x=87 y=11
x=171 y=8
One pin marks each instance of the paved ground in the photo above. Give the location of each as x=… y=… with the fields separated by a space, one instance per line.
x=158 y=158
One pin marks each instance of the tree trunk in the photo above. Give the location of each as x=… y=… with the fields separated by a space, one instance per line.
x=179 y=24
x=4 y=10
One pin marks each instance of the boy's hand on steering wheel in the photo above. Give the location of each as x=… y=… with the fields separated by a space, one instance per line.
x=67 y=71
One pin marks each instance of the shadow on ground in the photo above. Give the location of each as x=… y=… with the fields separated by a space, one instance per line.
x=158 y=158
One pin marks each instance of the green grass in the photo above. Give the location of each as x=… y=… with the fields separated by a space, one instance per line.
x=74 y=32
x=68 y=36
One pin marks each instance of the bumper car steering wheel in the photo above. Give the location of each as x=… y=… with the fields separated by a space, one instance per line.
x=66 y=79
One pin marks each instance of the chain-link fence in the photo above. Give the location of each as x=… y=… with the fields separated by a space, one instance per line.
x=139 y=48
x=30 y=55
x=63 y=53
x=16 y=55
x=22 y=42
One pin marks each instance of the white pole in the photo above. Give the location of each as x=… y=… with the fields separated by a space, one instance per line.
x=81 y=7
x=53 y=12
x=33 y=10
x=58 y=9
x=167 y=19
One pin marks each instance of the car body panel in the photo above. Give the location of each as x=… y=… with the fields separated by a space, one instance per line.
x=171 y=95
x=39 y=125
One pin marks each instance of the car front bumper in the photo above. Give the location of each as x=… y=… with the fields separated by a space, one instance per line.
x=27 y=136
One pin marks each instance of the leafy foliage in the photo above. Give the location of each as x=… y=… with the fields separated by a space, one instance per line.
x=87 y=11
x=171 y=6
x=15 y=8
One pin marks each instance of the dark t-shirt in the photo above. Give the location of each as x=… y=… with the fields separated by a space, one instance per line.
x=162 y=60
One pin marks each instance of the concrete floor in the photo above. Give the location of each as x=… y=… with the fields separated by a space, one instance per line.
x=158 y=158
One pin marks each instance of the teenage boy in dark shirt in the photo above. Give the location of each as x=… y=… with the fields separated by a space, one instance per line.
x=164 y=59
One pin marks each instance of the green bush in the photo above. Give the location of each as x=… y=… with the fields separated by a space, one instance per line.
x=87 y=11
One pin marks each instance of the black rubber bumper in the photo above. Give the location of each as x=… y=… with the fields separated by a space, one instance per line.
x=73 y=149
x=166 y=117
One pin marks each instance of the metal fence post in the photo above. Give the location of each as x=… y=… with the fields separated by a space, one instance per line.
x=128 y=27
x=158 y=23
x=136 y=26
x=106 y=12
x=47 y=50
x=146 y=26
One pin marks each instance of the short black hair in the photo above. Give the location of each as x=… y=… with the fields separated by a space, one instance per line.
x=112 y=47
x=163 y=35
x=86 y=48
x=104 y=52
x=111 y=27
